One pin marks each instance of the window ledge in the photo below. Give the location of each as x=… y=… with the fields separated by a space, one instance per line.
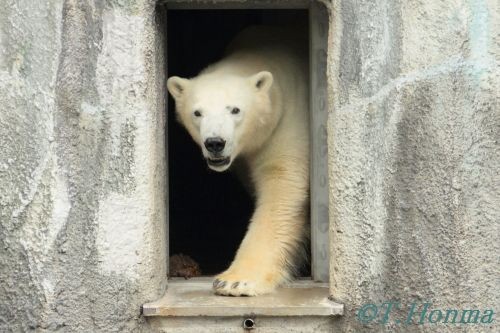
x=195 y=298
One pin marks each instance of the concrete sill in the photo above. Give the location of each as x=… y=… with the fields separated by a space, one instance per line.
x=194 y=297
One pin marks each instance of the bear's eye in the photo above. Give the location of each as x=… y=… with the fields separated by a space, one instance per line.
x=235 y=111
x=197 y=113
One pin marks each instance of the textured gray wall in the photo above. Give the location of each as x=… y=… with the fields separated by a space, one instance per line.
x=82 y=223
x=414 y=160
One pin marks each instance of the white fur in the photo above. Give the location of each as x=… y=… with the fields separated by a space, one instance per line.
x=265 y=76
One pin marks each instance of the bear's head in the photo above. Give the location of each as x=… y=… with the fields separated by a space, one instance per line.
x=226 y=114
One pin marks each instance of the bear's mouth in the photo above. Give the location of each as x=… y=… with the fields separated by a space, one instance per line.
x=218 y=161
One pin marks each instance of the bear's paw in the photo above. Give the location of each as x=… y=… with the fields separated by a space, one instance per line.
x=234 y=284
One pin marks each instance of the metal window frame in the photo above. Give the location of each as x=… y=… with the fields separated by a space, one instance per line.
x=318 y=103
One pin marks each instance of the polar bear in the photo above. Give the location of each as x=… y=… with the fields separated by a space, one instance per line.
x=253 y=106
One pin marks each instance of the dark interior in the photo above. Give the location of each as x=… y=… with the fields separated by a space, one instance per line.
x=208 y=211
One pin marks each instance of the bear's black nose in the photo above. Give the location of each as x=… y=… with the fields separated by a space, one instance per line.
x=215 y=145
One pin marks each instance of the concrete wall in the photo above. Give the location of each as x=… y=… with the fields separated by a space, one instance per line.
x=414 y=156
x=82 y=219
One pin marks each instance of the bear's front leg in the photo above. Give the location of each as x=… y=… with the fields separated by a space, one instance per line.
x=275 y=236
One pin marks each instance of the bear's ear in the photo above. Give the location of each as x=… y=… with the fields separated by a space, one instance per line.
x=177 y=86
x=262 y=81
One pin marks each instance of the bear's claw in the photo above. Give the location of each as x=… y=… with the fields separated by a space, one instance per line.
x=226 y=285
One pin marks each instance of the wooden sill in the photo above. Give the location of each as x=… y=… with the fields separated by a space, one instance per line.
x=194 y=297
